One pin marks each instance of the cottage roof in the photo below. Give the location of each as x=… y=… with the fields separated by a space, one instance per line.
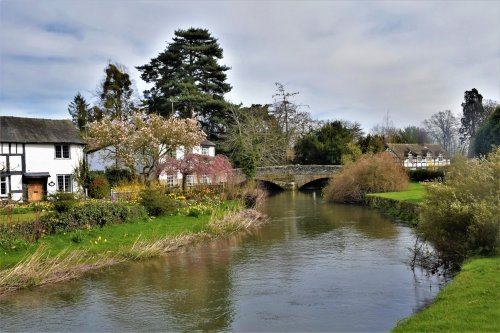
x=401 y=150
x=206 y=143
x=36 y=130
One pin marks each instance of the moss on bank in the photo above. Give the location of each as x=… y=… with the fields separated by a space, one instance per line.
x=470 y=303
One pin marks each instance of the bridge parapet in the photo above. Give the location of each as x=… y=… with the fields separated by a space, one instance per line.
x=292 y=177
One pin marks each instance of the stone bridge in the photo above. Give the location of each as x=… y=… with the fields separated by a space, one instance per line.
x=294 y=177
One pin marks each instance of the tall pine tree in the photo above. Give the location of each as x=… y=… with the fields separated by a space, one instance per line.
x=116 y=93
x=79 y=111
x=188 y=81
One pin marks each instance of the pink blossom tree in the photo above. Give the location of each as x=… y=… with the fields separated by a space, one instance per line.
x=143 y=140
x=216 y=167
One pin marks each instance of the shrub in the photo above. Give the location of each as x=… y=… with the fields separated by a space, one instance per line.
x=461 y=216
x=62 y=201
x=156 y=203
x=99 y=187
x=118 y=176
x=371 y=173
x=426 y=175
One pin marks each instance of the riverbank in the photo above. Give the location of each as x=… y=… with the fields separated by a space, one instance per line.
x=65 y=256
x=470 y=303
x=402 y=205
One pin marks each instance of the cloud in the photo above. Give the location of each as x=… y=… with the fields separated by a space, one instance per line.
x=349 y=60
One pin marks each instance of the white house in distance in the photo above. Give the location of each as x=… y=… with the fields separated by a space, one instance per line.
x=417 y=156
x=206 y=148
x=97 y=161
x=37 y=157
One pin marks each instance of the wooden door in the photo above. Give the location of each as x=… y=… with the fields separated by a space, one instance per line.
x=35 y=191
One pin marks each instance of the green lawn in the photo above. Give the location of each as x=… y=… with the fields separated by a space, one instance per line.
x=18 y=218
x=414 y=193
x=470 y=303
x=110 y=238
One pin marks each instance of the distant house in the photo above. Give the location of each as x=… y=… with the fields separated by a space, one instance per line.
x=98 y=161
x=416 y=156
x=206 y=148
x=37 y=157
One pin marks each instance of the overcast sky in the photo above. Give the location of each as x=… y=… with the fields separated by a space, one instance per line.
x=349 y=60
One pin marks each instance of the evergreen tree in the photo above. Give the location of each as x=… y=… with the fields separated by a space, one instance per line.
x=326 y=145
x=79 y=111
x=473 y=117
x=488 y=134
x=188 y=81
x=115 y=93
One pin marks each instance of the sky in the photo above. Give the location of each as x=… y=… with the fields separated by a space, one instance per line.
x=352 y=60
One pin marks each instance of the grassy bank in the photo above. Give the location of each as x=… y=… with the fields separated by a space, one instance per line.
x=415 y=193
x=471 y=303
x=67 y=255
x=403 y=205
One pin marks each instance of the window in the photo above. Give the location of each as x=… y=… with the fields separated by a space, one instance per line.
x=440 y=157
x=64 y=183
x=419 y=158
x=410 y=157
x=205 y=150
x=62 y=151
x=3 y=185
x=190 y=180
x=428 y=156
x=170 y=180
x=205 y=179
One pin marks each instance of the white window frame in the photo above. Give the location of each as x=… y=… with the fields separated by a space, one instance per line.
x=69 y=187
x=190 y=180
x=419 y=158
x=5 y=185
x=59 y=148
x=170 y=180
x=205 y=179
x=205 y=151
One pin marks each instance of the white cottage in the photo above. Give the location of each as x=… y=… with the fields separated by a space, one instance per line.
x=206 y=148
x=37 y=157
x=418 y=156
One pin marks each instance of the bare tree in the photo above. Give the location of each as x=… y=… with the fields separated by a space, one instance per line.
x=443 y=128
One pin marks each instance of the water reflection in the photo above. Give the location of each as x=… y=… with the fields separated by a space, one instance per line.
x=315 y=267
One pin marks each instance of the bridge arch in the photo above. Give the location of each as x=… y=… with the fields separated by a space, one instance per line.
x=315 y=184
x=269 y=185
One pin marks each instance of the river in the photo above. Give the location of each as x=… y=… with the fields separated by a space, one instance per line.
x=315 y=267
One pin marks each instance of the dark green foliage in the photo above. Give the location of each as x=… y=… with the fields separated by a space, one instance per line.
x=116 y=93
x=372 y=144
x=488 y=134
x=426 y=175
x=117 y=176
x=99 y=187
x=325 y=145
x=63 y=201
x=80 y=112
x=187 y=80
x=157 y=203
x=473 y=113
x=409 y=134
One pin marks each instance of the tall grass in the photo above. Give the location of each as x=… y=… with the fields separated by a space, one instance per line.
x=371 y=173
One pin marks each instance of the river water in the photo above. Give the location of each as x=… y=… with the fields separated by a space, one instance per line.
x=315 y=267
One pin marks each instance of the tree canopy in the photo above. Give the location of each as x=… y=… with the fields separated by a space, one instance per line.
x=188 y=80
x=142 y=140
x=327 y=144
x=79 y=110
x=488 y=134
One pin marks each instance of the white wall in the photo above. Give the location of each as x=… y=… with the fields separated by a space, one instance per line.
x=41 y=158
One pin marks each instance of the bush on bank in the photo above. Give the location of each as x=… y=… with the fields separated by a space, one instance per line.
x=371 y=173
x=461 y=215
